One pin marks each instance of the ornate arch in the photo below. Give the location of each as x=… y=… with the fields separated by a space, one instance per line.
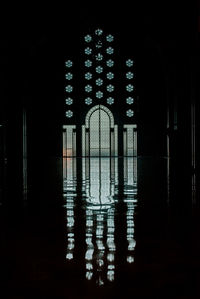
x=97 y=107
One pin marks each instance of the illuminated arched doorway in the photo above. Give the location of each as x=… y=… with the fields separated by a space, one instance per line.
x=99 y=133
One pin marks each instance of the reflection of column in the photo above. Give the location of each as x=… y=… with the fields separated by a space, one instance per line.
x=89 y=244
x=111 y=245
x=112 y=176
x=130 y=231
x=87 y=176
x=100 y=247
x=70 y=227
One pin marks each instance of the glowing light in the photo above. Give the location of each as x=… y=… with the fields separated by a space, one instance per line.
x=69 y=256
x=129 y=87
x=88 y=241
x=130 y=259
x=89 y=275
x=69 y=88
x=99 y=82
x=88 y=101
x=88 y=88
x=89 y=254
x=88 y=38
x=110 y=38
x=129 y=62
x=99 y=69
x=110 y=88
x=110 y=63
x=110 y=101
x=110 y=257
x=98 y=31
x=89 y=266
x=129 y=113
x=89 y=223
x=70 y=213
x=99 y=94
x=110 y=76
x=111 y=267
x=100 y=263
x=129 y=75
x=88 y=76
x=88 y=51
x=68 y=76
x=69 y=101
x=98 y=44
x=88 y=63
x=130 y=100
x=70 y=246
x=110 y=275
x=70 y=221
x=109 y=50
x=69 y=113
x=99 y=57
x=100 y=282
x=68 y=63
x=132 y=244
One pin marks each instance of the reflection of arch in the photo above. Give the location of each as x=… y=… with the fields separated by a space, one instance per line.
x=97 y=107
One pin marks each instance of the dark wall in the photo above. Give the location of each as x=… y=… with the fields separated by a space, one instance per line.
x=32 y=53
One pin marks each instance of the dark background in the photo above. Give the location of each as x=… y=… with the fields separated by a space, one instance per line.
x=36 y=40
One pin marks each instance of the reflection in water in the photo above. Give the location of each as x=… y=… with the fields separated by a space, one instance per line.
x=100 y=192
